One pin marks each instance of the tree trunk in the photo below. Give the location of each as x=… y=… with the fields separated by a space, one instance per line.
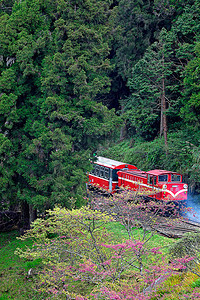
x=123 y=132
x=163 y=119
x=32 y=213
x=24 y=224
x=28 y=215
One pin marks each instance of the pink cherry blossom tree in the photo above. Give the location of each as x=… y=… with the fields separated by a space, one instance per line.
x=77 y=244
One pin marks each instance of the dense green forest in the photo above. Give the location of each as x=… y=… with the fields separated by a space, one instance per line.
x=117 y=78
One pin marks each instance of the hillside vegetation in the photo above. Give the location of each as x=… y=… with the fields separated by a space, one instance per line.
x=77 y=74
x=86 y=254
x=81 y=78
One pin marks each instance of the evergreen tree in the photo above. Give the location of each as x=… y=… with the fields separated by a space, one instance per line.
x=137 y=25
x=54 y=66
x=146 y=107
x=191 y=93
x=160 y=72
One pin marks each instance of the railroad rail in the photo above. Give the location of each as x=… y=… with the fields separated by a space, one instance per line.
x=178 y=229
x=174 y=227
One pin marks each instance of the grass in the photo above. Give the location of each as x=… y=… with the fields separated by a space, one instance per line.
x=15 y=283
x=156 y=240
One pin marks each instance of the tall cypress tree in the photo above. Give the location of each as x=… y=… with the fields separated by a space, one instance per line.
x=54 y=66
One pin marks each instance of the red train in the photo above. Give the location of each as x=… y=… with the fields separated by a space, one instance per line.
x=110 y=175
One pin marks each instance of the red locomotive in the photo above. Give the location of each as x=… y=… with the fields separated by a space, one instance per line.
x=110 y=175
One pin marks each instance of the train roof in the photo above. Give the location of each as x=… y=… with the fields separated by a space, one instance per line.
x=135 y=172
x=160 y=172
x=144 y=174
x=113 y=164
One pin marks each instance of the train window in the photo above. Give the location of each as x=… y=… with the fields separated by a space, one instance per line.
x=101 y=171
x=176 y=177
x=97 y=169
x=162 y=178
x=106 y=172
x=114 y=175
x=150 y=179
x=154 y=180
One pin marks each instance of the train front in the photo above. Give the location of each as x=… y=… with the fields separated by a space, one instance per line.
x=169 y=186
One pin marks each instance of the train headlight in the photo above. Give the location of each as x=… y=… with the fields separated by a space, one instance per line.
x=185 y=186
x=164 y=186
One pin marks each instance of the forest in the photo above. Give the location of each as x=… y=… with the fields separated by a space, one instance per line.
x=80 y=78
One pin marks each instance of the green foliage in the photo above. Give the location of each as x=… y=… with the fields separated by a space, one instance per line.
x=136 y=24
x=183 y=155
x=54 y=64
x=196 y=283
x=188 y=245
x=191 y=109
x=7 y=185
x=151 y=155
x=143 y=107
x=33 y=264
x=152 y=79
x=159 y=71
x=15 y=283
x=119 y=232
x=63 y=224
x=60 y=61
x=88 y=245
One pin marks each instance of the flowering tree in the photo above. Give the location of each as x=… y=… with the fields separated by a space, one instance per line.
x=77 y=244
x=188 y=245
x=133 y=209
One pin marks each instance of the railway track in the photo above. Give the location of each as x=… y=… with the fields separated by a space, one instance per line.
x=169 y=227
x=176 y=227
x=177 y=231
x=173 y=228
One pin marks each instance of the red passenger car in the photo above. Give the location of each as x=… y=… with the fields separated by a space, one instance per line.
x=104 y=173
